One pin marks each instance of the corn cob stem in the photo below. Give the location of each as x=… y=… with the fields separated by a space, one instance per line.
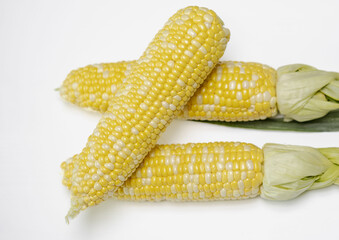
x=234 y=91
x=173 y=66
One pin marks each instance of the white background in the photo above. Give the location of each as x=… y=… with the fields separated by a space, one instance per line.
x=42 y=41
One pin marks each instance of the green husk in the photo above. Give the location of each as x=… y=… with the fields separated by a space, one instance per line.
x=305 y=93
x=329 y=123
x=291 y=170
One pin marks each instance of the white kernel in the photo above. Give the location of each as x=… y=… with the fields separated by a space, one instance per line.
x=138 y=173
x=252 y=84
x=175 y=169
x=163 y=122
x=153 y=124
x=208 y=18
x=255 y=77
x=95 y=177
x=216 y=99
x=97 y=165
x=185 y=17
x=141 y=92
x=118 y=128
x=219 y=176
x=226 y=31
x=186 y=178
x=165 y=104
x=172 y=46
x=190 y=187
x=223 y=40
x=202 y=194
x=210 y=157
x=192 y=33
x=247 y=148
x=113 y=88
x=105 y=96
x=173 y=190
x=109 y=166
x=121 y=178
x=208 y=25
x=193 y=158
x=111 y=157
x=232 y=85
x=245 y=84
x=121 y=143
x=105 y=146
x=117 y=147
x=177 y=97
x=149 y=172
x=205 y=149
x=210 y=64
x=251 y=108
x=230 y=176
x=170 y=63
x=122 y=154
x=181 y=83
x=222 y=158
x=223 y=192
x=172 y=107
x=188 y=10
x=179 y=22
x=131 y=110
x=220 y=166
x=236 y=193
x=92 y=97
x=203 y=50
x=105 y=74
x=253 y=99
x=112 y=138
x=75 y=85
x=157 y=69
x=242 y=70
x=206 y=107
x=207 y=167
x=100 y=173
x=196 y=43
x=196 y=179
x=199 y=99
x=239 y=96
x=267 y=96
x=223 y=109
x=229 y=166
x=143 y=106
x=190 y=168
x=208 y=178
x=243 y=175
x=241 y=185
x=259 y=97
x=97 y=186
x=249 y=164
x=100 y=67
x=188 y=53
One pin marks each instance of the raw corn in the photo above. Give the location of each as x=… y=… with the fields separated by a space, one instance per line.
x=196 y=172
x=173 y=66
x=234 y=91
x=230 y=170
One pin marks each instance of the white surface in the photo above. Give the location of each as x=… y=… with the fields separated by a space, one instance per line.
x=42 y=41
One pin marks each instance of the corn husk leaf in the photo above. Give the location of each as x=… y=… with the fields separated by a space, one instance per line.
x=291 y=170
x=305 y=93
x=328 y=123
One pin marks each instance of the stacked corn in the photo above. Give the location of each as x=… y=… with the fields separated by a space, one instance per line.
x=234 y=91
x=173 y=66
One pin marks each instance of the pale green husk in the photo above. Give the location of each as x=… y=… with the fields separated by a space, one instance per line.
x=305 y=93
x=291 y=170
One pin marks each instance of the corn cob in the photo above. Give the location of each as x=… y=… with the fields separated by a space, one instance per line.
x=173 y=66
x=230 y=170
x=234 y=91
x=203 y=171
